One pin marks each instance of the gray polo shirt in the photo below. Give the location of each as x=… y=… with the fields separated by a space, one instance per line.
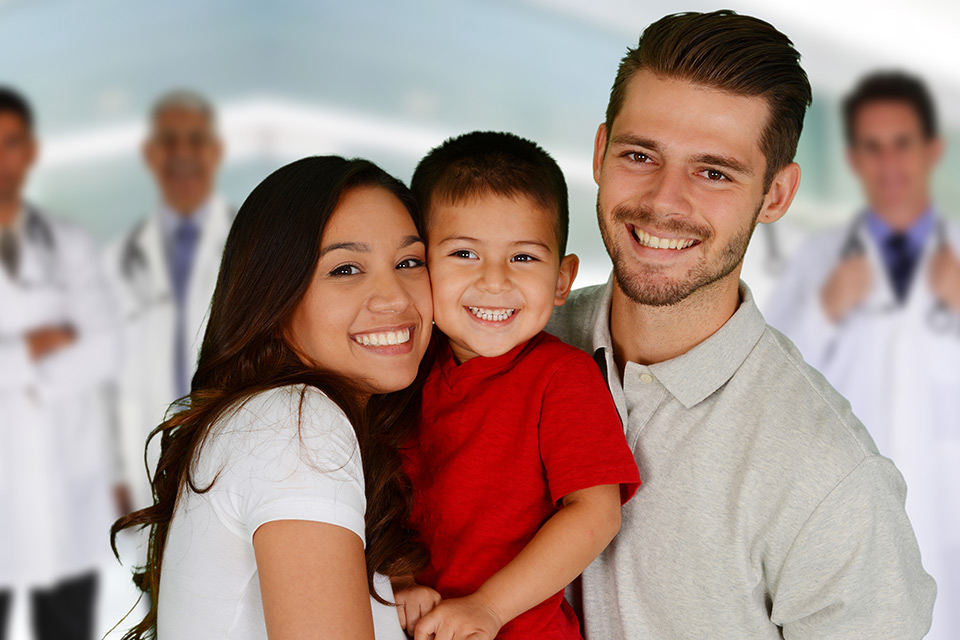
x=765 y=510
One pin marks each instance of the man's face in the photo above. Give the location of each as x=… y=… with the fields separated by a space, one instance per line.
x=680 y=178
x=183 y=153
x=17 y=152
x=891 y=155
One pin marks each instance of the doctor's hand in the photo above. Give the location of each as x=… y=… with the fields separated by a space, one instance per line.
x=945 y=278
x=847 y=287
x=470 y=618
x=413 y=601
x=44 y=341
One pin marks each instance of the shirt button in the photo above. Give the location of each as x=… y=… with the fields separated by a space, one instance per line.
x=646 y=378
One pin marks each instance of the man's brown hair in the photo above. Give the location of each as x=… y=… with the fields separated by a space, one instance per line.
x=738 y=54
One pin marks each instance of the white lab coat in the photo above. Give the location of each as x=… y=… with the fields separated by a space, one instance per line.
x=56 y=462
x=137 y=265
x=902 y=378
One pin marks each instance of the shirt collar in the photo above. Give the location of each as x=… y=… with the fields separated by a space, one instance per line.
x=917 y=233
x=19 y=223
x=698 y=373
x=170 y=219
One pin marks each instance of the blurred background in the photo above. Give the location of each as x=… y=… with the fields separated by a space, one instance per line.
x=389 y=80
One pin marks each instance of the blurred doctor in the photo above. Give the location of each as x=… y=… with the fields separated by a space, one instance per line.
x=58 y=351
x=875 y=306
x=164 y=271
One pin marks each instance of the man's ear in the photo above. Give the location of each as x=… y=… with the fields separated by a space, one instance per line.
x=599 y=150
x=780 y=194
x=568 y=273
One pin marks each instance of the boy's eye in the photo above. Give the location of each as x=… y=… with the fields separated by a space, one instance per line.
x=466 y=254
x=411 y=263
x=523 y=257
x=345 y=270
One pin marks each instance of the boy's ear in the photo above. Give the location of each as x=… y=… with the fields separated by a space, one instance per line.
x=568 y=273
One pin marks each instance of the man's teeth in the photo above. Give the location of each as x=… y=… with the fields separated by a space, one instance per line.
x=494 y=315
x=383 y=339
x=654 y=242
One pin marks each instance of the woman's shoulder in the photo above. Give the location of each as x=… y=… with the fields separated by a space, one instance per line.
x=298 y=414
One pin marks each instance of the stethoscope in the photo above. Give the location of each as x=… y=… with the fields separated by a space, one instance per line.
x=37 y=232
x=135 y=270
x=940 y=319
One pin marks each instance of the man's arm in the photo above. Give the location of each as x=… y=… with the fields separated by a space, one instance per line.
x=854 y=569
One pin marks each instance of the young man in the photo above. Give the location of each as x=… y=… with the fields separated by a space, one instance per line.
x=766 y=511
x=875 y=306
x=58 y=351
x=164 y=271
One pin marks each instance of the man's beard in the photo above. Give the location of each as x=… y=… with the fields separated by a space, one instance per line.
x=641 y=284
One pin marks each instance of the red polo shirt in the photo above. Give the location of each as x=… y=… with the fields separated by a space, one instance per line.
x=502 y=440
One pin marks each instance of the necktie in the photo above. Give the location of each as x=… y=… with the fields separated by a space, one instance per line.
x=902 y=261
x=181 y=260
x=10 y=252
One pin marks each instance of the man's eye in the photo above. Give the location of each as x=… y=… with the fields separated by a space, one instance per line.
x=637 y=156
x=411 y=263
x=466 y=254
x=713 y=174
x=523 y=257
x=345 y=270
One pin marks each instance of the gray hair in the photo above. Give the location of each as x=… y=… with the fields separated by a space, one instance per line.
x=184 y=99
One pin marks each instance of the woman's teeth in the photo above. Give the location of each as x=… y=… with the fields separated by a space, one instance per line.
x=647 y=240
x=383 y=339
x=493 y=315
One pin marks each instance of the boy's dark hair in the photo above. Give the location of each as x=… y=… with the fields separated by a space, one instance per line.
x=11 y=101
x=490 y=162
x=885 y=86
x=738 y=54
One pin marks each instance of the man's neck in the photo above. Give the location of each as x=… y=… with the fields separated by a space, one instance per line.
x=9 y=210
x=185 y=209
x=647 y=335
x=902 y=217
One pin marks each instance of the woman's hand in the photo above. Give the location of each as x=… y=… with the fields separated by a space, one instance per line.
x=413 y=602
x=470 y=618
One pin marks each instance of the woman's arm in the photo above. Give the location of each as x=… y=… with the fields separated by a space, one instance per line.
x=560 y=551
x=313 y=581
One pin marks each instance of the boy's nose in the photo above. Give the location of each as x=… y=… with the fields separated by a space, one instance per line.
x=494 y=279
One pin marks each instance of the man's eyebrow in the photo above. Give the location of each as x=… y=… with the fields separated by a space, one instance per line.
x=635 y=141
x=724 y=161
x=360 y=247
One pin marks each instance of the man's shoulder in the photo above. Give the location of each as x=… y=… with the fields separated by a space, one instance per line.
x=573 y=322
x=802 y=405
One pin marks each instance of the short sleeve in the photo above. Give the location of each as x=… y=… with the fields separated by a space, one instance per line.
x=294 y=461
x=854 y=569
x=582 y=443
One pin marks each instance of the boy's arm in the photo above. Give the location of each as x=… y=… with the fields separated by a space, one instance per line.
x=558 y=553
x=413 y=601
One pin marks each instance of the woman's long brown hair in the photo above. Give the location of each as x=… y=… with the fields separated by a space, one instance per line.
x=267 y=265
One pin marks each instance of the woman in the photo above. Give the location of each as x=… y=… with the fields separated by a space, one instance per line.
x=322 y=311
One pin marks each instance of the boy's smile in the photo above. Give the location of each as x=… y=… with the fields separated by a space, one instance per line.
x=495 y=271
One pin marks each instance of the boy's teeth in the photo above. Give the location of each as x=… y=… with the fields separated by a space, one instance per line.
x=654 y=242
x=383 y=339
x=494 y=315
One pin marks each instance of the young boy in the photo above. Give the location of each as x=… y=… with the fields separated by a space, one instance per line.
x=520 y=465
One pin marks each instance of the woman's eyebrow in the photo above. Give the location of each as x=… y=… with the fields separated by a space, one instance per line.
x=360 y=247
x=409 y=240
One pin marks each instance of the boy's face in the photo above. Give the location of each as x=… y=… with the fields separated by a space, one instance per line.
x=496 y=272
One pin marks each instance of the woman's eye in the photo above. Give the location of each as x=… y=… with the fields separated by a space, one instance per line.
x=466 y=254
x=411 y=263
x=523 y=257
x=345 y=270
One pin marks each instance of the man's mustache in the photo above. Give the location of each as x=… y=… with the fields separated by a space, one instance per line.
x=652 y=223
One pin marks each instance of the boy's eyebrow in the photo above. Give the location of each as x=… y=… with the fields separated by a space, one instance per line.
x=478 y=241
x=727 y=162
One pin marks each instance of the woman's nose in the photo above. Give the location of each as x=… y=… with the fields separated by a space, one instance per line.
x=388 y=295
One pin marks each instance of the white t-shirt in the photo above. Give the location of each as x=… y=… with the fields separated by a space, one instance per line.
x=266 y=469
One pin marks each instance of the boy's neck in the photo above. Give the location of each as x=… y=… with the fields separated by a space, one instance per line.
x=647 y=335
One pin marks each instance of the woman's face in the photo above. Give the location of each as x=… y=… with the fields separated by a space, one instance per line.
x=368 y=311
